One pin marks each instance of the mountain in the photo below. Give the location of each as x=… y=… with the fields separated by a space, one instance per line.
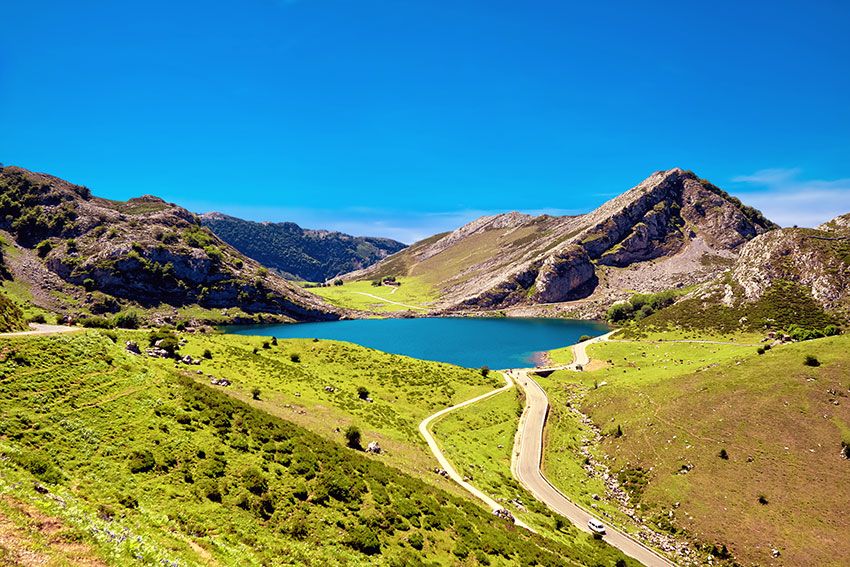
x=672 y=230
x=298 y=253
x=81 y=255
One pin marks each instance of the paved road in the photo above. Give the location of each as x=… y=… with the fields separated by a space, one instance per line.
x=528 y=454
x=41 y=329
x=447 y=465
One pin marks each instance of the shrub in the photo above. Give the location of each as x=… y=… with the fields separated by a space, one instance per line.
x=207 y=354
x=723 y=454
x=295 y=357
x=352 y=437
x=38 y=318
x=40 y=465
x=811 y=360
x=760 y=350
x=416 y=541
x=364 y=540
x=127 y=320
x=141 y=461
x=43 y=248
x=88 y=284
x=762 y=499
x=362 y=392
x=255 y=393
x=485 y=370
x=583 y=338
x=96 y=323
x=338 y=282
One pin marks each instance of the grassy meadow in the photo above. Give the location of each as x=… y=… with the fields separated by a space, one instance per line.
x=478 y=440
x=403 y=390
x=716 y=441
x=412 y=295
x=109 y=458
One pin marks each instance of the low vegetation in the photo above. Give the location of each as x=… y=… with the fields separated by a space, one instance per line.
x=146 y=464
x=739 y=451
x=408 y=294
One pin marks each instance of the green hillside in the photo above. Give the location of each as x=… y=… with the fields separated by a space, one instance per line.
x=715 y=442
x=11 y=317
x=144 y=464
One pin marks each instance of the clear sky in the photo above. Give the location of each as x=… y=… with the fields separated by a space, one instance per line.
x=405 y=118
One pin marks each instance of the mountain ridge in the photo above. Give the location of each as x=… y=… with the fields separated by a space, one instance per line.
x=298 y=253
x=83 y=255
x=515 y=260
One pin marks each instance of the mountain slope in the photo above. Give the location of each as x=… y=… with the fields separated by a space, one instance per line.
x=81 y=254
x=298 y=253
x=673 y=229
x=789 y=277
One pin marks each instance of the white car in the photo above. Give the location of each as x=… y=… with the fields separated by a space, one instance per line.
x=596 y=526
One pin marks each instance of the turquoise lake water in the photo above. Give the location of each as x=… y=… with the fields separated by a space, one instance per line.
x=471 y=342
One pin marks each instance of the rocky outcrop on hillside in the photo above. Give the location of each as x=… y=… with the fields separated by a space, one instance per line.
x=82 y=254
x=818 y=260
x=673 y=229
x=298 y=253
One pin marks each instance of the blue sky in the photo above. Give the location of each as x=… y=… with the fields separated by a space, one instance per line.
x=405 y=118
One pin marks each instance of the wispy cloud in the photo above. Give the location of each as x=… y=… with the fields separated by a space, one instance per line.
x=788 y=198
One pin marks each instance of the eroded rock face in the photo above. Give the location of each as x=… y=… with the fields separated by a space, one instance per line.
x=564 y=276
x=671 y=229
x=812 y=258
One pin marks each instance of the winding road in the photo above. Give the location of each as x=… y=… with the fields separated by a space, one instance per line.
x=447 y=465
x=528 y=455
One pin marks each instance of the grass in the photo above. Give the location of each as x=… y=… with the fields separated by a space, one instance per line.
x=563 y=355
x=404 y=390
x=412 y=294
x=679 y=405
x=217 y=481
x=478 y=440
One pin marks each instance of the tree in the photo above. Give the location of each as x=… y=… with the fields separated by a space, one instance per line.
x=207 y=354
x=295 y=357
x=723 y=454
x=338 y=281
x=619 y=431
x=811 y=360
x=255 y=393
x=485 y=370
x=352 y=437
x=362 y=392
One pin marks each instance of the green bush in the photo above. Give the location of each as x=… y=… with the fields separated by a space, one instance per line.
x=43 y=248
x=141 y=461
x=364 y=540
x=353 y=436
x=40 y=465
x=127 y=320
x=811 y=360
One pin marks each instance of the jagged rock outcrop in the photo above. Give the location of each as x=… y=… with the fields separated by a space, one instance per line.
x=564 y=276
x=672 y=229
x=81 y=254
x=819 y=260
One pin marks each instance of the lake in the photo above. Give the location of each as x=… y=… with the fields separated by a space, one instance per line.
x=471 y=342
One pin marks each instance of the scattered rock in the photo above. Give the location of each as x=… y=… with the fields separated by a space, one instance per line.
x=373 y=447
x=132 y=347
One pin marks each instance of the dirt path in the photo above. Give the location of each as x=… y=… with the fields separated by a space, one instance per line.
x=390 y=301
x=527 y=457
x=41 y=329
x=446 y=464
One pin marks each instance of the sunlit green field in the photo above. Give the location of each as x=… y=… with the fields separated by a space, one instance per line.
x=143 y=462
x=412 y=295
x=778 y=423
x=478 y=439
